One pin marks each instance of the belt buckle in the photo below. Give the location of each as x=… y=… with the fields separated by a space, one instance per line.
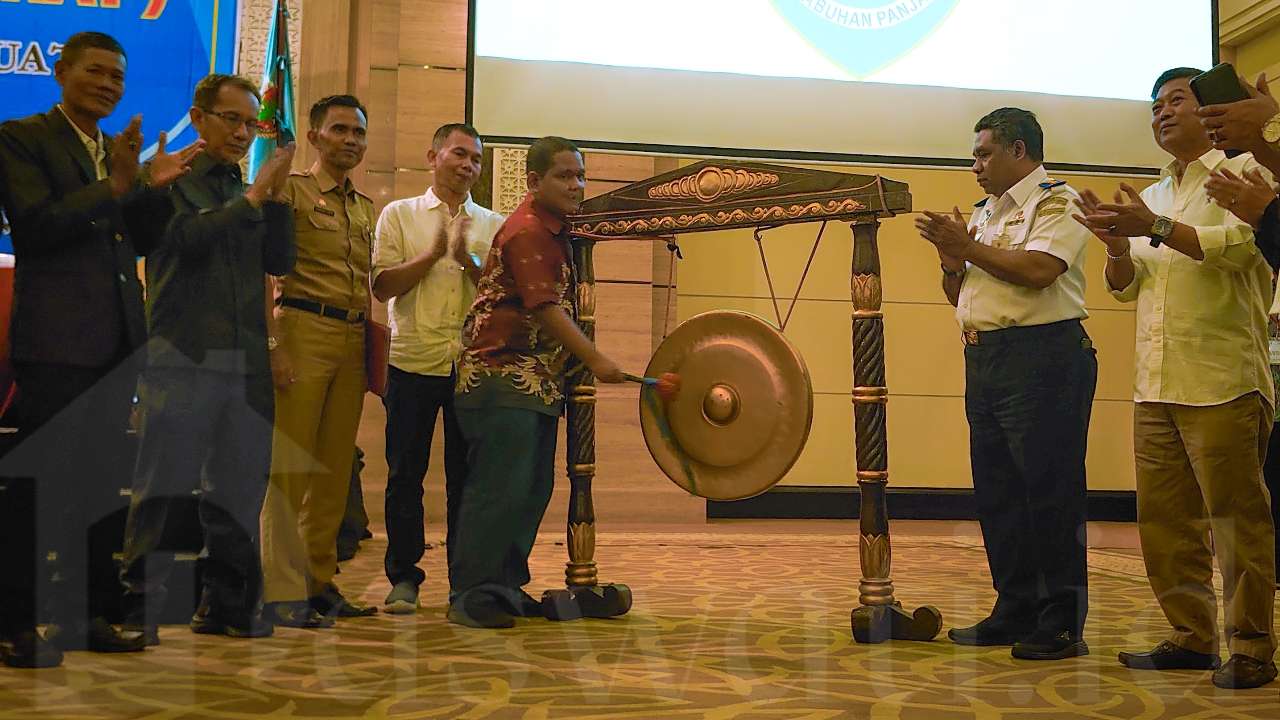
x=970 y=337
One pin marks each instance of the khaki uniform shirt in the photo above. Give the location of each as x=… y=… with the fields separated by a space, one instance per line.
x=334 y=229
x=1035 y=214
x=1201 y=325
x=426 y=321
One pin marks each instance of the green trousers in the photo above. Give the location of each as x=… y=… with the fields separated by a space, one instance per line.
x=511 y=471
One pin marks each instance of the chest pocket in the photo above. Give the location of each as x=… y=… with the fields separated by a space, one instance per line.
x=321 y=221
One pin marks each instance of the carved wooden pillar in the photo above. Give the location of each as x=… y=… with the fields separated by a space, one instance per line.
x=880 y=615
x=580 y=434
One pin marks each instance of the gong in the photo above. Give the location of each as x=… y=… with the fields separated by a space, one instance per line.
x=743 y=411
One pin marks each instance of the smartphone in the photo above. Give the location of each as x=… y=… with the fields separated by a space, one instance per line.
x=1219 y=86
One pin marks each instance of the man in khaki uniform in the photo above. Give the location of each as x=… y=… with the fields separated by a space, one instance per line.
x=317 y=365
x=1203 y=397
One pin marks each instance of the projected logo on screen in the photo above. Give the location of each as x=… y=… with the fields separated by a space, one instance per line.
x=863 y=36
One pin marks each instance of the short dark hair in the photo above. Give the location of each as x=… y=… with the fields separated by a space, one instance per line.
x=75 y=45
x=543 y=151
x=1008 y=125
x=1174 y=74
x=321 y=108
x=210 y=85
x=444 y=131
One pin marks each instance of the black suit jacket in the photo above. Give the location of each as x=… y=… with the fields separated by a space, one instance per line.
x=77 y=297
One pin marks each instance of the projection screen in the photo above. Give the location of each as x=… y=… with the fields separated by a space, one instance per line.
x=849 y=80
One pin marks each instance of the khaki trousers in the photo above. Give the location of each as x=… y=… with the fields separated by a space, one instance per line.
x=312 y=449
x=1201 y=494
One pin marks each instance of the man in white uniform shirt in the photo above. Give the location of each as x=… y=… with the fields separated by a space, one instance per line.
x=1016 y=277
x=1203 y=397
x=429 y=253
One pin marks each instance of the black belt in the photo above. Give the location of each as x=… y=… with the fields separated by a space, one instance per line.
x=329 y=311
x=1022 y=334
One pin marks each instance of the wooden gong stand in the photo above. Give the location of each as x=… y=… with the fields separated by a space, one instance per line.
x=720 y=195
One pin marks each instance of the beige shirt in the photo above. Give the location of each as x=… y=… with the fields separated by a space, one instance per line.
x=1034 y=214
x=426 y=321
x=1201 y=325
x=333 y=228
x=96 y=147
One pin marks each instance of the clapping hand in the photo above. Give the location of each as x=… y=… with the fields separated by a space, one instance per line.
x=272 y=176
x=167 y=167
x=949 y=235
x=1238 y=125
x=458 y=232
x=1246 y=197
x=1128 y=216
x=124 y=156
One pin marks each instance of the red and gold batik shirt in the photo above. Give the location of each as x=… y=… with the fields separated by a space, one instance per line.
x=508 y=360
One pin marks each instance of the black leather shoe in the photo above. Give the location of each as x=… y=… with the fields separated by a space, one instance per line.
x=150 y=633
x=29 y=649
x=1242 y=672
x=98 y=636
x=296 y=615
x=479 y=611
x=1167 y=656
x=991 y=632
x=235 y=625
x=331 y=603
x=1047 y=645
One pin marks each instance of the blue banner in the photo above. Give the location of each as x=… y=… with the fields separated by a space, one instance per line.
x=169 y=44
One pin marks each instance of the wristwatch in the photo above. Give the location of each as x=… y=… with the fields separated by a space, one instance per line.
x=1271 y=132
x=272 y=343
x=1161 y=229
x=953 y=273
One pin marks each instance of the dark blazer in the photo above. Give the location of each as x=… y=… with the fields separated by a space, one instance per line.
x=77 y=297
x=206 y=302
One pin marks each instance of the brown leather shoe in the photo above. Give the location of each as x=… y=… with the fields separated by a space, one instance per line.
x=1167 y=656
x=296 y=615
x=1242 y=672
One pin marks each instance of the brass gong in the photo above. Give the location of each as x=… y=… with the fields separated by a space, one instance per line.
x=743 y=411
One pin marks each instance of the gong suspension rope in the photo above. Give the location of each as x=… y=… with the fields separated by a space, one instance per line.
x=673 y=249
x=782 y=322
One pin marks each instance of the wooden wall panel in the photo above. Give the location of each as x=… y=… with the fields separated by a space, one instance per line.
x=433 y=32
x=622 y=324
x=411 y=183
x=380 y=187
x=385 y=45
x=426 y=99
x=625 y=260
x=381 y=101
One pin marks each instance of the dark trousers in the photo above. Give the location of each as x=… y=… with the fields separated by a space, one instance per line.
x=209 y=430
x=1271 y=471
x=413 y=402
x=511 y=463
x=74 y=453
x=1028 y=396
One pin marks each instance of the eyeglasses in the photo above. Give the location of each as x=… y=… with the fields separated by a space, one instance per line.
x=234 y=120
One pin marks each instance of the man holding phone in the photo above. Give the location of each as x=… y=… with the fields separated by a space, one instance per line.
x=1253 y=125
x=1203 y=396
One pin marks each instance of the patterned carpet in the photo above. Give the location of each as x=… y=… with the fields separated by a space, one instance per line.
x=724 y=626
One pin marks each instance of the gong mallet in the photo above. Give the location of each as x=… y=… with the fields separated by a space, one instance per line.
x=667 y=385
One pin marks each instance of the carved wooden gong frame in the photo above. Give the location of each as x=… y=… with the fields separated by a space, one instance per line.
x=719 y=195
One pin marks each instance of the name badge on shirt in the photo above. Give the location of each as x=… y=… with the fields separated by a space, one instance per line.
x=324 y=211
